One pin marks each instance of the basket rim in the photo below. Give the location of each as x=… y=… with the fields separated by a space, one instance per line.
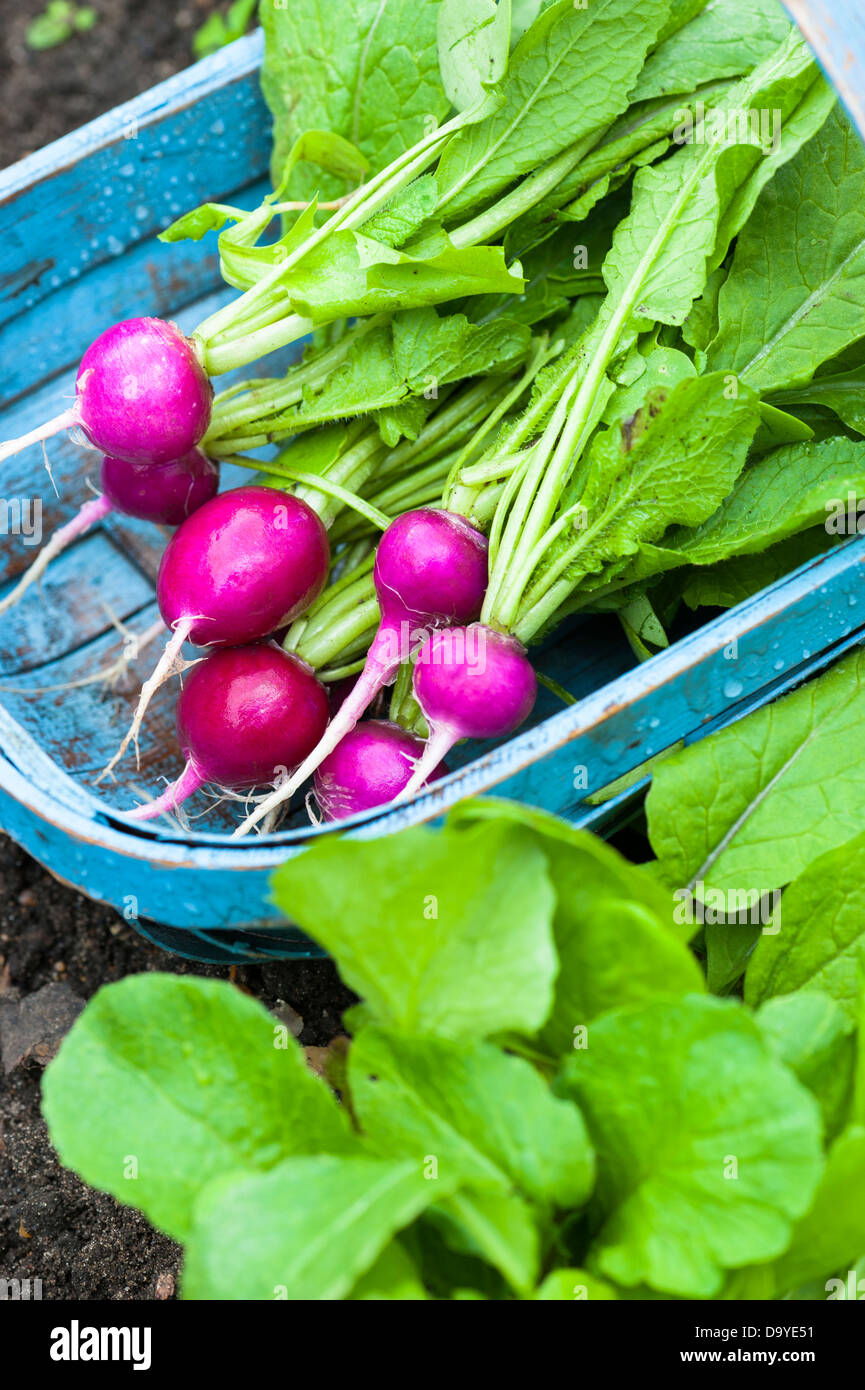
x=82 y=815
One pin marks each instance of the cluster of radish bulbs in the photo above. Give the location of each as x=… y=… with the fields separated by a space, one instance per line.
x=245 y=563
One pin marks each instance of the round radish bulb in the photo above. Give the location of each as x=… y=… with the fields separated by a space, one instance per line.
x=245 y=716
x=371 y=766
x=430 y=569
x=243 y=565
x=470 y=682
x=166 y=494
x=141 y=394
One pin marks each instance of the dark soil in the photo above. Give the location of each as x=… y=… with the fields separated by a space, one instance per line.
x=133 y=45
x=56 y=947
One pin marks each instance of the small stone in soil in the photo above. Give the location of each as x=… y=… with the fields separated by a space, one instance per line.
x=34 y=1027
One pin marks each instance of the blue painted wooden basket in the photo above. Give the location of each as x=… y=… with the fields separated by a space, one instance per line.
x=90 y=206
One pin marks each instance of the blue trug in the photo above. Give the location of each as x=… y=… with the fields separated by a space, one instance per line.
x=90 y=205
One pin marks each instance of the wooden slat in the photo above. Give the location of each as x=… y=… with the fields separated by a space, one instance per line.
x=68 y=213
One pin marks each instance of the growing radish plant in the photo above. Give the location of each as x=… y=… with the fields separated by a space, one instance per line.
x=546 y=1186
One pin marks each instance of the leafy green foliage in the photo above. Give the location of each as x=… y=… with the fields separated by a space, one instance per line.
x=488 y=1118
x=726 y=39
x=271 y=1235
x=378 y=88
x=780 y=495
x=598 y=49
x=473 y=44
x=710 y=813
x=821 y=943
x=406 y=950
x=160 y=1047
x=688 y=1147
x=414 y=352
x=679 y=1212
x=57 y=23
x=796 y=291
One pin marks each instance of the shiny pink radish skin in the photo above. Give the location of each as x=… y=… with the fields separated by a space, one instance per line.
x=476 y=681
x=166 y=493
x=430 y=568
x=142 y=393
x=247 y=562
x=470 y=682
x=371 y=766
x=245 y=716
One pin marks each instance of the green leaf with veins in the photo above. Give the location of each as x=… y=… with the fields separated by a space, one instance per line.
x=405 y=214
x=673 y=1094
x=830 y=1237
x=596 y=51
x=821 y=944
x=350 y=274
x=729 y=38
x=664 y=367
x=795 y=295
x=473 y=45
x=701 y=325
x=600 y=899
x=838 y=385
x=811 y=1033
x=737 y=810
x=497 y=1227
x=184 y=1074
x=409 y=948
x=686 y=210
x=674 y=461
x=732 y=581
x=401 y=358
x=377 y=86
x=780 y=494
x=307 y=1230
x=488 y=1118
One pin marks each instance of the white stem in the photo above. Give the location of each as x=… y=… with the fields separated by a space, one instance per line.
x=373 y=677
x=89 y=514
x=67 y=420
x=162 y=672
x=438 y=745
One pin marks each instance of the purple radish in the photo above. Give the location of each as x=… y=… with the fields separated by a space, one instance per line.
x=368 y=768
x=245 y=717
x=141 y=394
x=243 y=565
x=470 y=682
x=430 y=570
x=166 y=494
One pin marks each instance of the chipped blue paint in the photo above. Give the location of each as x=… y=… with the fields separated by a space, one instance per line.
x=91 y=203
x=835 y=29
